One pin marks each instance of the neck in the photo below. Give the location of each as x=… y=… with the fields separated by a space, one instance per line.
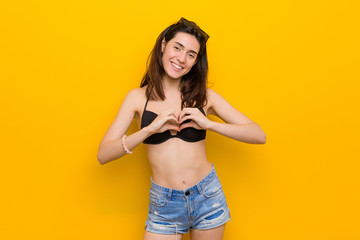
x=171 y=84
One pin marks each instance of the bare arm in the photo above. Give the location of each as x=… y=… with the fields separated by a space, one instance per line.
x=236 y=126
x=113 y=149
x=111 y=145
x=244 y=132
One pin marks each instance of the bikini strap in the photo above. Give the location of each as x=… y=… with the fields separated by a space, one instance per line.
x=146 y=104
x=147 y=99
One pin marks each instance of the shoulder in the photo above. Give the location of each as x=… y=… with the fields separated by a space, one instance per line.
x=217 y=104
x=212 y=97
x=135 y=93
x=135 y=98
x=211 y=94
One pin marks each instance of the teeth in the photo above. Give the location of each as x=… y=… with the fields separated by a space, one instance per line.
x=178 y=67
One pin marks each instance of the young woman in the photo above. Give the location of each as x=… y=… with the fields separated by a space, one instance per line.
x=171 y=107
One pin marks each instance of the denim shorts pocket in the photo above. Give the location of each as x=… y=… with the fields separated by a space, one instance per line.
x=157 y=199
x=213 y=189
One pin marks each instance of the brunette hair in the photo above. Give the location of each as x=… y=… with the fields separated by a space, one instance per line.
x=193 y=84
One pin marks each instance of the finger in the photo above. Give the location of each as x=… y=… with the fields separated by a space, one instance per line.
x=189 y=124
x=184 y=115
x=169 y=126
x=184 y=112
x=172 y=127
x=172 y=117
x=193 y=116
x=187 y=111
x=171 y=120
x=170 y=111
x=173 y=113
x=186 y=118
x=162 y=121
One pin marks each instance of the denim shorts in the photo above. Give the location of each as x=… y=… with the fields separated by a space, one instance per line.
x=202 y=206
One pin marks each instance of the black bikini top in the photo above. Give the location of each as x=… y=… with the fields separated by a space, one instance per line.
x=187 y=134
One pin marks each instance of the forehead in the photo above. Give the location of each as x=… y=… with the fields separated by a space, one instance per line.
x=187 y=40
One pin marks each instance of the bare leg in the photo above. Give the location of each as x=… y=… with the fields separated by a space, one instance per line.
x=210 y=234
x=155 y=236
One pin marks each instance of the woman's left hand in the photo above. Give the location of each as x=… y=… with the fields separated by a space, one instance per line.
x=198 y=119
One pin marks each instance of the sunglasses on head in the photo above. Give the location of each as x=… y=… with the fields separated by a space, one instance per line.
x=193 y=25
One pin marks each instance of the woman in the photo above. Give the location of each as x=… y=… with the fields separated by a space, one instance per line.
x=171 y=107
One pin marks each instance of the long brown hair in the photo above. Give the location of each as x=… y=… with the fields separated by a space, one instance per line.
x=193 y=84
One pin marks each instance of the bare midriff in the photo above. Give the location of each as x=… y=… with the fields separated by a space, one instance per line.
x=178 y=164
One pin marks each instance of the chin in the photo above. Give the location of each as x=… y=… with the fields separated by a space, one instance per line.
x=173 y=75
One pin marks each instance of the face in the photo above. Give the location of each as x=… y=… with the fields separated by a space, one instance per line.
x=179 y=54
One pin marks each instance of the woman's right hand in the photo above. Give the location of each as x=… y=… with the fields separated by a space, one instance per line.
x=167 y=120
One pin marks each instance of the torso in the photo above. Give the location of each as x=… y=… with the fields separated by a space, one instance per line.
x=175 y=163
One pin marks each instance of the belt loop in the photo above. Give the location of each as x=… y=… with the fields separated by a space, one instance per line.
x=199 y=188
x=169 y=193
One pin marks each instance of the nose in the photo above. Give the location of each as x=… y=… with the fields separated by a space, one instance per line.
x=181 y=57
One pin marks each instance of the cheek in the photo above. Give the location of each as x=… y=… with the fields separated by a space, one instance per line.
x=192 y=64
x=167 y=55
x=170 y=54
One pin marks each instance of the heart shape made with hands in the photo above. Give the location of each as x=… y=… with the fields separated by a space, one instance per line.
x=191 y=122
x=180 y=123
x=174 y=132
x=196 y=119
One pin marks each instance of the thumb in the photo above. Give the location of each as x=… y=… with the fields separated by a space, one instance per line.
x=186 y=125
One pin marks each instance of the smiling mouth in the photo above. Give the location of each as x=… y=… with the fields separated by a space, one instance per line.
x=176 y=66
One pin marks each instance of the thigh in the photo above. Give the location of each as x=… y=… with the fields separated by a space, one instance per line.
x=209 y=234
x=156 y=236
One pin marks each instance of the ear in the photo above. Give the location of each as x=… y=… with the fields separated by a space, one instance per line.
x=163 y=44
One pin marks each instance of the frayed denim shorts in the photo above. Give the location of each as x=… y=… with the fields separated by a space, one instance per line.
x=202 y=206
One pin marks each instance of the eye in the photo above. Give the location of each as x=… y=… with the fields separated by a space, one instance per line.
x=177 y=48
x=192 y=56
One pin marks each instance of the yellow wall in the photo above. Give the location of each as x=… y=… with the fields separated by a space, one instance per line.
x=291 y=66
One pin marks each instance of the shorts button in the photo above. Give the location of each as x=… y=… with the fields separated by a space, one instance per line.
x=187 y=193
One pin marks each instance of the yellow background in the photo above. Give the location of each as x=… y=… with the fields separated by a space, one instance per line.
x=291 y=66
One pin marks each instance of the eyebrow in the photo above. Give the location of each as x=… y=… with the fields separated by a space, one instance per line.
x=184 y=47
